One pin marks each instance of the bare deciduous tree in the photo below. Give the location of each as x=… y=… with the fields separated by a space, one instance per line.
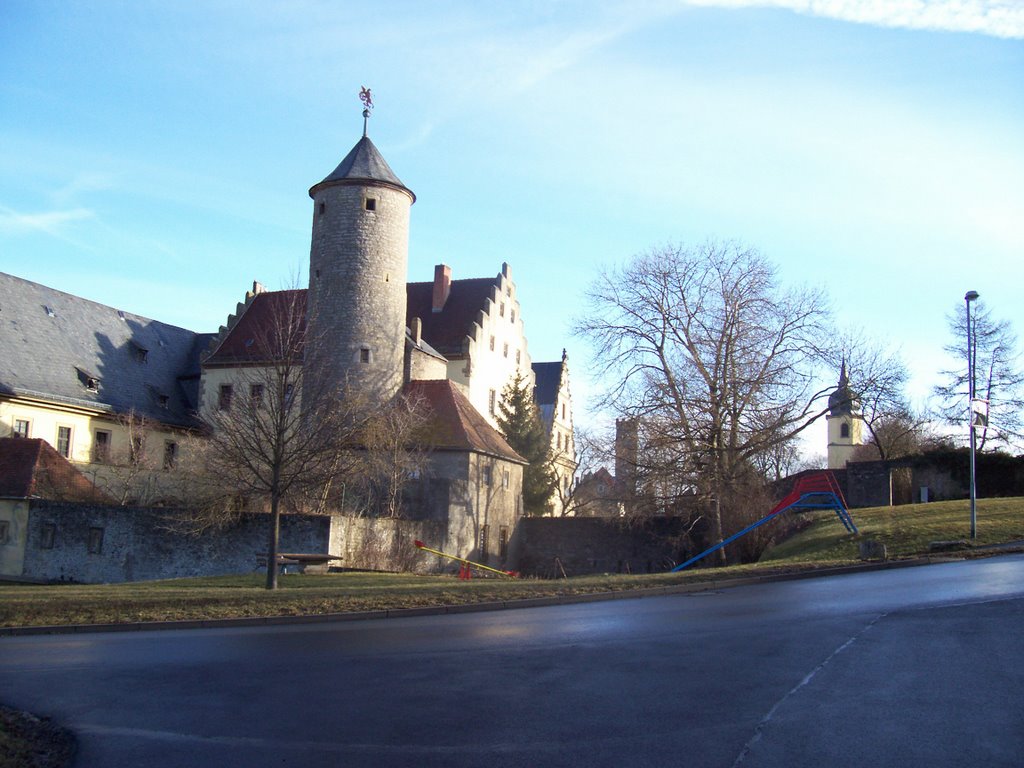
x=281 y=430
x=715 y=357
x=395 y=450
x=877 y=387
x=999 y=376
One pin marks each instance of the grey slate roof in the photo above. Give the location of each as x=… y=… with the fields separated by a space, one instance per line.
x=363 y=163
x=53 y=343
x=548 y=378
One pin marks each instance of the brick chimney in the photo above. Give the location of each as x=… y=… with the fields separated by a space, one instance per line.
x=416 y=331
x=442 y=286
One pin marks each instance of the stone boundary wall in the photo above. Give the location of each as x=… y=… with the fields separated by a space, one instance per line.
x=135 y=545
x=586 y=545
x=386 y=544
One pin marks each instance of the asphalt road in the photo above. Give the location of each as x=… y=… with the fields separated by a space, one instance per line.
x=917 y=666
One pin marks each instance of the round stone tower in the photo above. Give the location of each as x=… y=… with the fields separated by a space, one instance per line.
x=845 y=425
x=357 y=269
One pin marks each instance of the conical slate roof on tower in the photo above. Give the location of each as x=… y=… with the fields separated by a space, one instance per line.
x=363 y=164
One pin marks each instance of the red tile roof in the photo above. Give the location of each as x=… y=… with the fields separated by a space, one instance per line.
x=31 y=468
x=446 y=330
x=455 y=424
x=269 y=319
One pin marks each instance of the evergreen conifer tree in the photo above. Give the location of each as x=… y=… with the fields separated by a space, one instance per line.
x=520 y=423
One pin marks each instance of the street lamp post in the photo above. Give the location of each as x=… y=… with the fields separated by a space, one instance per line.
x=971 y=351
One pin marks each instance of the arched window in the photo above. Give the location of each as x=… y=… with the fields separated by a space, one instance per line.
x=844 y=430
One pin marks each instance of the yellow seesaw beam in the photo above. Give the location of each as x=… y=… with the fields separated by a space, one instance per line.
x=425 y=548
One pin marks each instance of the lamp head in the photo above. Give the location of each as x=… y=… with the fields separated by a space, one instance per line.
x=971 y=295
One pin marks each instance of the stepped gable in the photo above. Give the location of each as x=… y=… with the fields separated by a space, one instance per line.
x=251 y=333
x=65 y=349
x=31 y=469
x=446 y=331
x=455 y=425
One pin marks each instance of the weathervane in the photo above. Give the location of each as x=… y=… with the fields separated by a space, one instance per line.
x=367 y=99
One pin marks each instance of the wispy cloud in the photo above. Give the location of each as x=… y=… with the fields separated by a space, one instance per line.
x=88 y=182
x=50 y=222
x=998 y=18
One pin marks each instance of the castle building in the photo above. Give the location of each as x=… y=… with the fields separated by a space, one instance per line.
x=116 y=394
x=845 y=425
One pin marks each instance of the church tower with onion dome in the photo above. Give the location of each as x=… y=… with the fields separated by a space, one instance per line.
x=358 y=261
x=845 y=425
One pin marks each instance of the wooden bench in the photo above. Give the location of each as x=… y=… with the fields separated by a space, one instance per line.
x=303 y=562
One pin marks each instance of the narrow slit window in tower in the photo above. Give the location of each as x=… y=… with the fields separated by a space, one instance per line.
x=371 y=204
x=364 y=354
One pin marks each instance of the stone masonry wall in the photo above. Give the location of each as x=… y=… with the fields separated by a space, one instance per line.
x=596 y=545
x=135 y=545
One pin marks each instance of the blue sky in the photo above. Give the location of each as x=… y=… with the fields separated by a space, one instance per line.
x=156 y=156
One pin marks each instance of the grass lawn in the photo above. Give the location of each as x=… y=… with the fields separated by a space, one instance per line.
x=905 y=530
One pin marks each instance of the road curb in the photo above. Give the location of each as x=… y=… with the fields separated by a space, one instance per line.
x=715 y=585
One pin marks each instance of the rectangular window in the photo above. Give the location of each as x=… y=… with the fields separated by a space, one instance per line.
x=506 y=479
x=563 y=411
x=558 y=440
x=485 y=474
x=364 y=355
x=492 y=343
x=492 y=402
x=256 y=394
x=371 y=204
x=505 y=351
x=224 y=397
x=136 y=446
x=5 y=531
x=483 y=540
x=21 y=428
x=501 y=309
x=519 y=355
x=64 y=441
x=512 y=316
x=47 y=534
x=503 y=542
x=95 y=543
x=101 y=446
x=170 y=454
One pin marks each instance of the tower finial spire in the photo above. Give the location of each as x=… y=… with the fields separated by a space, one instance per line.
x=367 y=99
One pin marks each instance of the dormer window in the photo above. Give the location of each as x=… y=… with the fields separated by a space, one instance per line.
x=140 y=352
x=49 y=311
x=89 y=380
